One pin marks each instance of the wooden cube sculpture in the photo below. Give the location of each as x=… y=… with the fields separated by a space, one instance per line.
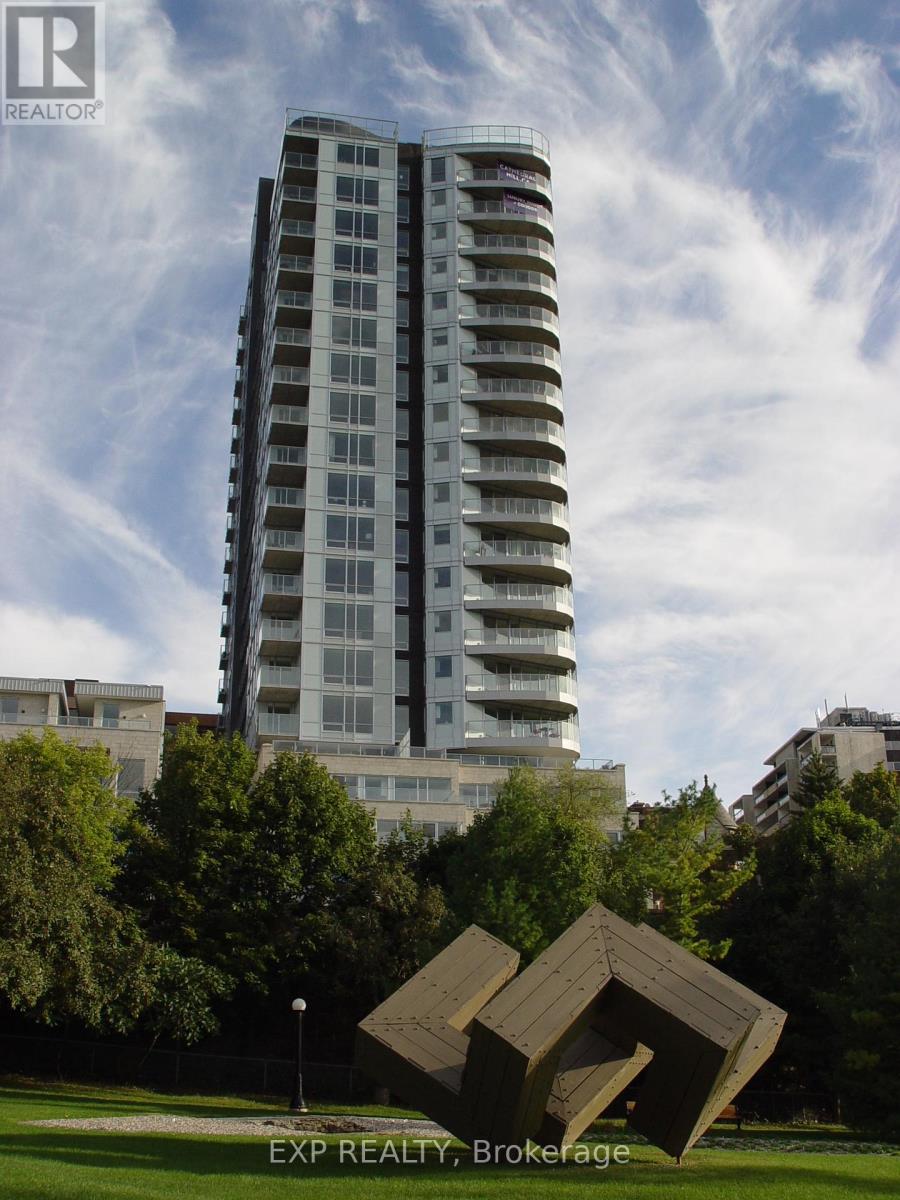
x=539 y=1056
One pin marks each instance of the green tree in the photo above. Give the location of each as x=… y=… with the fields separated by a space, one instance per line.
x=676 y=870
x=532 y=864
x=875 y=794
x=817 y=781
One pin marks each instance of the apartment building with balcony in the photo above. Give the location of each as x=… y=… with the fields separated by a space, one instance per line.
x=398 y=568
x=127 y=719
x=849 y=739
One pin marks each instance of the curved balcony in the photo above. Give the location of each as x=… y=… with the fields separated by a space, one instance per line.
x=535 y=601
x=519 y=144
x=553 y=647
x=515 y=286
x=279 y=635
x=542 y=560
x=510 y=320
x=285 y=506
x=288 y=424
x=286 y=464
x=278 y=683
x=535 y=518
x=544 y=737
x=293 y=308
x=508 y=250
x=283 y=549
x=555 y=692
x=519 y=434
x=280 y=592
x=502 y=177
x=531 y=476
x=506 y=216
x=528 y=397
x=534 y=359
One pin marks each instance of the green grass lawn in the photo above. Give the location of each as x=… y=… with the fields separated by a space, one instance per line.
x=69 y=1164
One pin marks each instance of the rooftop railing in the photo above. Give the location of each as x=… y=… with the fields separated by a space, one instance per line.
x=493 y=135
x=304 y=120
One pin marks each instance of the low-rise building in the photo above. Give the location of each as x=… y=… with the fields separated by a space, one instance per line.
x=440 y=790
x=849 y=739
x=125 y=718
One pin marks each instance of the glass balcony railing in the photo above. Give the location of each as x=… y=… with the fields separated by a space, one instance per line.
x=526 y=426
x=285 y=299
x=279 y=677
x=544 y=592
x=516 y=548
x=274 y=630
x=509 y=312
x=291 y=228
x=537 y=730
x=509 y=506
x=308 y=161
x=513 y=466
x=284 y=539
x=497 y=135
x=522 y=681
x=279 y=724
x=285 y=497
x=286 y=336
x=524 y=210
x=295 y=262
x=506 y=241
x=504 y=349
x=512 y=635
x=287 y=456
x=289 y=414
x=275 y=584
x=495 y=385
x=507 y=277
x=504 y=173
x=290 y=191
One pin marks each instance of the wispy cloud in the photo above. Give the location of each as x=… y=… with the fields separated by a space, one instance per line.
x=724 y=179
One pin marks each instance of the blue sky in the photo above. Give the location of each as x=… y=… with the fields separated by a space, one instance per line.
x=725 y=180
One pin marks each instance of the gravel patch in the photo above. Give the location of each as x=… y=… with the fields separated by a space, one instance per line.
x=274 y=1126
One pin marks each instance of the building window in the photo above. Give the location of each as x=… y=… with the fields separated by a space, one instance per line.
x=130 y=779
x=354 y=449
x=401 y=630
x=350 y=621
x=347 y=293
x=401 y=586
x=403 y=243
x=348 y=223
x=351 y=408
x=350 y=576
x=442 y=493
x=401 y=722
x=438 y=170
x=356 y=191
x=443 y=667
x=401 y=545
x=440 y=373
x=402 y=424
x=439 y=337
x=439 y=266
x=440 y=414
x=401 y=676
x=360 y=332
x=401 y=462
x=440 y=452
x=358 y=369
x=362 y=156
x=350 y=533
x=402 y=311
x=403 y=209
x=347 y=714
x=351 y=491
x=439 y=231
x=401 y=385
x=402 y=277
x=443 y=620
x=439 y=198
x=441 y=577
x=438 y=301
x=361 y=260
x=353 y=668
x=442 y=535
x=443 y=713
x=401 y=503
x=403 y=179
x=402 y=347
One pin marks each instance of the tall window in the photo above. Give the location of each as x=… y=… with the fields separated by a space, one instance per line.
x=361 y=260
x=362 y=156
x=350 y=576
x=353 y=190
x=347 y=714
x=359 y=332
x=355 y=449
x=353 y=668
x=347 y=293
x=351 y=408
x=348 y=223
x=350 y=621
x=359 y=369
x=350 y=533
x=352 y=491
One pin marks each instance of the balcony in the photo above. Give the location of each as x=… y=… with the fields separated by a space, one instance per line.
x=281 y=593
x=542 y=560
x=278 y=635
x=288 y=424
x=557 y=693
x=298 y=200
x=285 y=506
x=289 y=383
x=515 y=142
x=286 y=725
x=287 y=465
x=552 y=647
x=283 y=549
x=295 y=236
x=229 y=528
x=527 y=516
x=509 y=320
x=544 y=737
x=518 y=434
x=292 y=308
x=506 y=216
x=533 y=476
x=294 y=162
x=292 y=265
x=490 y=179
x=229 y=559
x=529 y=397
x=516 y=286
x=534 y=358
x=278 y=683
x=531 y=601
x=508 y=250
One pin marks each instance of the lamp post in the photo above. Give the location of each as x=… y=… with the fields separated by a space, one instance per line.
x=297 y=1104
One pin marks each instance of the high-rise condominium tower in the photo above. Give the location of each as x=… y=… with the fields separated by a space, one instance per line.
x=398 y=561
